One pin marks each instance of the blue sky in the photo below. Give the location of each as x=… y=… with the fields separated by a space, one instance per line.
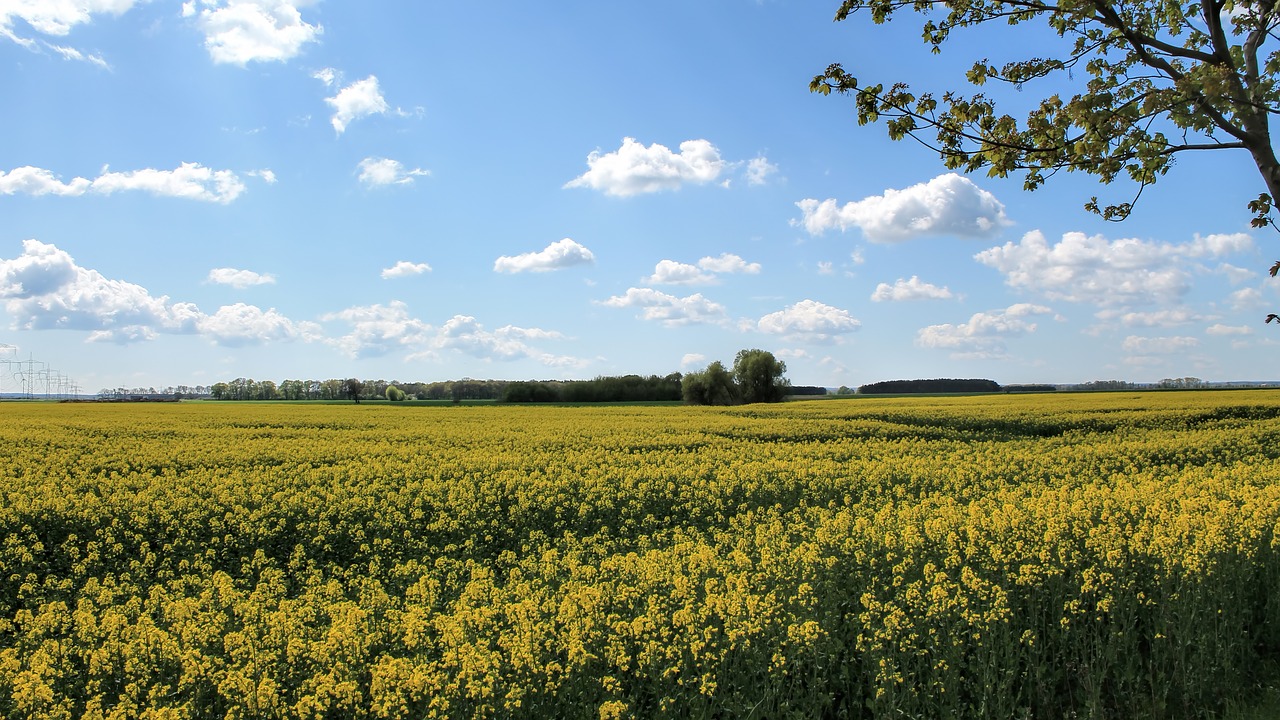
x=420 y=190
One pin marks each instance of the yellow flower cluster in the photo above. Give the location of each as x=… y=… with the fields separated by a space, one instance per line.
x=1049 y=556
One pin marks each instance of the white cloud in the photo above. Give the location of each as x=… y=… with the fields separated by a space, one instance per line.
x=1104 y=272
x=809 y=320
x=267 y=176
x=358 y=100
x=378 y=329
x=239 y=278
x=1218 y=329
x=404 y=268
x=758 y=171
x=36 y=181
x=44 y=289
x=241 y=324
x=912 y=289
x=670 y=272
x=633 y=169
x=377 y=172
x=1158 y=345
x=1246 y=298
x=1154 y=318
x=946 y=205
x=728 y=263
x=560 y=254
x=667 y=309
x=1236 y=275
x=55 y=17
x=238 y=32
x=692 y=359
x=328 y=76
x=464 y=334
x=70 y=53
x=984 y=335
x=190 y=181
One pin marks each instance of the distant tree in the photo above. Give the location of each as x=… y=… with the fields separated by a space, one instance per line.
x=941 y=385
x=267 y=390
x=292 y=389
x=845 y=390
x=530 y=392
x=713 y=386
x=759 y=376
x=1105 y=385
x=351 y=387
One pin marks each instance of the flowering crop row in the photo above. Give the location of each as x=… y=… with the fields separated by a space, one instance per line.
x=1077 y=556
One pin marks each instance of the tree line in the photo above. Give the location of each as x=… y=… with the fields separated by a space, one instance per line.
x=756 y=376
x=938 y=385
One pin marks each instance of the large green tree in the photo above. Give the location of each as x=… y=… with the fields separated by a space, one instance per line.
x=1148 y=80
x=759 y=376
x=713 y=386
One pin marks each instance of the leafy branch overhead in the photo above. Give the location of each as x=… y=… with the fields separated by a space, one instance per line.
x=1159 y=78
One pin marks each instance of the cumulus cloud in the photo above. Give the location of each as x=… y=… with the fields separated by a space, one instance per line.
x=1109 y=273
x=634 y=169
x=1218 y=329
x=328 y=76
x=728 y=263
x=670 y=272
x=946 y=205
x=240 y=279
x=1155 y=318
x=377 y=172
x=464 y=334
x=913 y=289
x=983 y=337
x=358 y=100
x=404 y=268
x=378 y=329
x=1236 y=275
x=560 y=254
x=692 y=359
x=1246 y=298
x=238 y=32
x=1158 y=345
x=190 y=181
x=240 y=324
x=56 y=19
x=758 y=171
x=44 y=289
x=809 y=320
x=667 y=309
x=37 y=181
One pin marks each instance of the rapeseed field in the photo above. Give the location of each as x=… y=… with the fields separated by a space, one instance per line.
x=1047 y=556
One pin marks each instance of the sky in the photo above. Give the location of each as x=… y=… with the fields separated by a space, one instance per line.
x=193 y=192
